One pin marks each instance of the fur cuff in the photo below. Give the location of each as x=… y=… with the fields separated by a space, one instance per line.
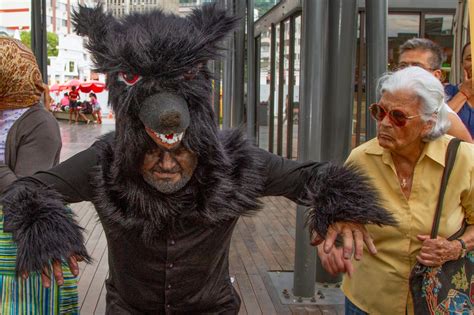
x=343 y=193
x=42 y=227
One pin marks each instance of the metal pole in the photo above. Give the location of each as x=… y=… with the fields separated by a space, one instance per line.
x=239 y=67
x=227 y=76
x=39 y=36
x=251 y=74
x=377 y=50
x=313 y=69
x=339 y=96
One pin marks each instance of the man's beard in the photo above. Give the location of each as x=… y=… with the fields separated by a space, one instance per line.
x=165 y=186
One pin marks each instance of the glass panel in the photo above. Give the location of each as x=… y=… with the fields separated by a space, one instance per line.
x=401 y=27
x=263 y=6
x=263 y=110
x=286 y=63
x=439 y=28
x=358 y=118
x=296 y=88
x=277 y=83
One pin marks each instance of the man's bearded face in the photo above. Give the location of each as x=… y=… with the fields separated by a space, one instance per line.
x=168 y=169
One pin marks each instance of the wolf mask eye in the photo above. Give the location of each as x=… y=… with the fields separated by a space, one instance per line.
x=129 y=78
x=191 y=74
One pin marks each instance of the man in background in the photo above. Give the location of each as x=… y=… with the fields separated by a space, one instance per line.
x=428 y=55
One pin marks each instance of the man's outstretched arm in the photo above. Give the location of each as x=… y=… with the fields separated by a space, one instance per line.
x=340 y=199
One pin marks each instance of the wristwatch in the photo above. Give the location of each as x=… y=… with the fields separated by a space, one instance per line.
x=463 y=248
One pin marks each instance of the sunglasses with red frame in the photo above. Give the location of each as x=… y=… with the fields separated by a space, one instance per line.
x=396 y=116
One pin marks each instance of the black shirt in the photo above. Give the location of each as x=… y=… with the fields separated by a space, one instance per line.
x=186 y=270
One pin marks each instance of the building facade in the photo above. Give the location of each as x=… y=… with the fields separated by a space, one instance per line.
x=119 y=8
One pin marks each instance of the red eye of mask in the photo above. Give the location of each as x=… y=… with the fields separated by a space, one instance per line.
x=128 y=78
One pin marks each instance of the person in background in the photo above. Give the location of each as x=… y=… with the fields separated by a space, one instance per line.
x=85 y=109
x=96 y=111
x=64 y=101
x=406 y=161
x=428 y=55
x=461 y=98
x=73 y=98
x=30 y=141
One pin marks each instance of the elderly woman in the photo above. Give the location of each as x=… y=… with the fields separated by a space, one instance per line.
x=406 y=162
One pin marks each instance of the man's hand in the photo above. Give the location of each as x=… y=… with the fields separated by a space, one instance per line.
x=354 y=235
x=435 y=252
x=334 y=262
x=57 y=271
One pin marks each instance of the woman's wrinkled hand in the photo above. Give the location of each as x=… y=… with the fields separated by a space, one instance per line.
x=354 y=235
x=334 y=262
x=435 y=252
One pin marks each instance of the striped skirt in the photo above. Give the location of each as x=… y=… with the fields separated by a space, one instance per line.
x=29 y=297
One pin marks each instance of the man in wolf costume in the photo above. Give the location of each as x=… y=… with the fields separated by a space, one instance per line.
x=168 y=185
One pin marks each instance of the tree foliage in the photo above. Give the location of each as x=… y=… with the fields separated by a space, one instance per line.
x=52 y=42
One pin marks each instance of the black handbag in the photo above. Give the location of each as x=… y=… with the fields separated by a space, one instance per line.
x=447 y=289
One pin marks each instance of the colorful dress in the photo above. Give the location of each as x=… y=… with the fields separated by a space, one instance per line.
x=29 y=297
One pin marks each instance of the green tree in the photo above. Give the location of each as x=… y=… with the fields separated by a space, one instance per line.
x=52 y=42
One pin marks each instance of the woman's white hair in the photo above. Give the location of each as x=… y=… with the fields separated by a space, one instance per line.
x=430 y=91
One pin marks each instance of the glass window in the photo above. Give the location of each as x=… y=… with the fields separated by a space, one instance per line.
x=263 y=107
x=286 y=105
x=71 y=66
x=401 y=27
x=439 y=28
x=296 y=87
x=276 y=80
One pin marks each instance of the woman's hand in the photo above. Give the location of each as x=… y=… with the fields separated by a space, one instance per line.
x=334 y=261
x=354 y=235
x=435 y=252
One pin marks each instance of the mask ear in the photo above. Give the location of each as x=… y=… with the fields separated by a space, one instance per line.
x=213 y=22
x=96 y=25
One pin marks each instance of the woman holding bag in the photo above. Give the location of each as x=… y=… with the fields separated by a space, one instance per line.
x=406 y=162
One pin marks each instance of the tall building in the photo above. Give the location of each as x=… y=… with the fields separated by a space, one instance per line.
x=58 y=14
x=15 y=15
x=123 y=7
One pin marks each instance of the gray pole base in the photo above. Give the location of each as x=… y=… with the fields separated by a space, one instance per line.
x=324 y=293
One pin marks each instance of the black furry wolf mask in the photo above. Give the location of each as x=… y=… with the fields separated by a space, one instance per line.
x=151 y=60
x=158 y=81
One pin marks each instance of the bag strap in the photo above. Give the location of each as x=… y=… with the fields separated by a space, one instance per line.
x=448 y=167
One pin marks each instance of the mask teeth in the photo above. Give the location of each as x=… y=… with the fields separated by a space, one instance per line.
x=176 y=137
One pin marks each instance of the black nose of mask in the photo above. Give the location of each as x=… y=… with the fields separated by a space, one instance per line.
x=165 y=113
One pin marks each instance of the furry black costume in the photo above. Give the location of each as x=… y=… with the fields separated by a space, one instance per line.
x=169 y=251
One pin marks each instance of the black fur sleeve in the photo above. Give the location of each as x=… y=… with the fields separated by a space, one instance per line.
x=332 y=192
x=42 y=227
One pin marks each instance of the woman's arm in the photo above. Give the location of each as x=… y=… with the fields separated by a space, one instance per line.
x=38 y=147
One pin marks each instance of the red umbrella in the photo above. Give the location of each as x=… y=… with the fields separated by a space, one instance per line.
x=72 y=83
x=54 y=88
x=92 y=86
